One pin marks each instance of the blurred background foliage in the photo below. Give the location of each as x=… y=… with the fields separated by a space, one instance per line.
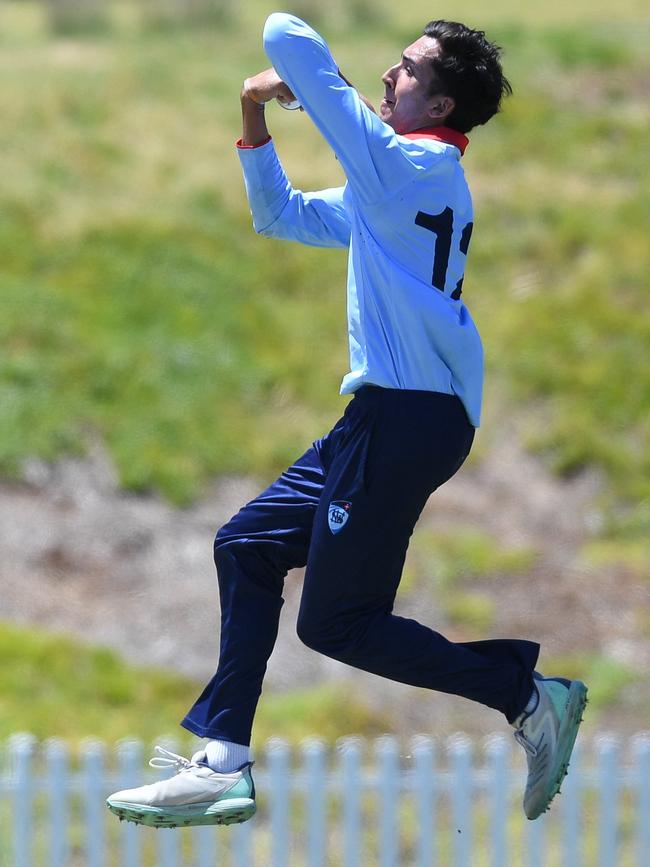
x=138 y=307
x=138 y=304
x=108 y=697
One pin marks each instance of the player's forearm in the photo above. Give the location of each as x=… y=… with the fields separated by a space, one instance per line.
x=363 y=99
x=254 y=129
x=363 y=143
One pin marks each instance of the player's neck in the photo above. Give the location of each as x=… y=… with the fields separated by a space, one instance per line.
x=440 y=133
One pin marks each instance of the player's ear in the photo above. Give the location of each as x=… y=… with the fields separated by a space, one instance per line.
x=441 y=107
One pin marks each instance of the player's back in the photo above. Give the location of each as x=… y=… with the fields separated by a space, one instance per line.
x=408 y=326
x=423 y=227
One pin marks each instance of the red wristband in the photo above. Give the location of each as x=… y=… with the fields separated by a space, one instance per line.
x=245 y=147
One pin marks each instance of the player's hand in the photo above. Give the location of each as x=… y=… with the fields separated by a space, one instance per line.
x=265 y=86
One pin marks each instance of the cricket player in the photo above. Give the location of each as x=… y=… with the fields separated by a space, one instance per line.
x=347 y=507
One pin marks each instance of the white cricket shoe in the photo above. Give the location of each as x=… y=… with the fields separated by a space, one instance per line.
x=548 y=734
x=196 y=795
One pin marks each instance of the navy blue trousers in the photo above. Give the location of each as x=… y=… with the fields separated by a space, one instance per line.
x=346 y=510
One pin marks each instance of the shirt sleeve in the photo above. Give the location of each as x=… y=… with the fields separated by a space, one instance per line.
x=318 y=219
x=376 y=162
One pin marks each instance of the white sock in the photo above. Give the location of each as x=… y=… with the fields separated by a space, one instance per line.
x=226 y=756
x=532 y=701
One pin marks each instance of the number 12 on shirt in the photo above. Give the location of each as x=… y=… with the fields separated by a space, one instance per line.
x=442 y=226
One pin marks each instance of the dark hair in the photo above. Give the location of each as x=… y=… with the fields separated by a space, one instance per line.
x=469 y=70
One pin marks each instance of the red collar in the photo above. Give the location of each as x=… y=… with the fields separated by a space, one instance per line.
x=441 y=133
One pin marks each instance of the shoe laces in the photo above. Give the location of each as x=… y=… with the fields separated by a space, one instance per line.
x=167 y=759
x=529 y=747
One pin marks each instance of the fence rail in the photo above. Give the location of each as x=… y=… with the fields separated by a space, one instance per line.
x=453 y=804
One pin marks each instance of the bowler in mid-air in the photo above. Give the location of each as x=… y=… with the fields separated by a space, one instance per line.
x=347 y=507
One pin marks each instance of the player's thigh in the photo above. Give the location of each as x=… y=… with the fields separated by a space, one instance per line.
x=358 y=544
x=403 y=446
x=278 y=522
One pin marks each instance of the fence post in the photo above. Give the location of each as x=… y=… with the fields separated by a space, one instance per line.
x=206 y=846
x=205 y=838
x=93 y=788
x=608 y=755
x=388 y=791
x=316 y=774
x=168 y=842
x=641 y=754
x=497 y=751
x=350 y=750
x=460 y=754
x=277 y=762
x=423 y=750
x=536 y=840
x=56 y=760
x=21 y=753
x=571 y=797
x=168 y=839
x=130 y=767
x=237 y=839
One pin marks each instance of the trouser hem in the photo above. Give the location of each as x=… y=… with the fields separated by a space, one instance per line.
x=530 y=655
x=212 y=733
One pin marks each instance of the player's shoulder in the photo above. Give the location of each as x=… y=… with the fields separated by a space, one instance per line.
x=428 y=151
x=427 y=158
x=433 y=144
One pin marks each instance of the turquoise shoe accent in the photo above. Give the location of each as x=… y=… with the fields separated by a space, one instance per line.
x=548 y=736
x=196 y=795
x=228 y=812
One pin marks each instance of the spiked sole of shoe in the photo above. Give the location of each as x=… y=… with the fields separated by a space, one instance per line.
x=231 y=812
x=567 y=735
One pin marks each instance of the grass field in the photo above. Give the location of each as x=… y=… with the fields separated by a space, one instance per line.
x=139 y=309
x=110 y=699
x=138 y=306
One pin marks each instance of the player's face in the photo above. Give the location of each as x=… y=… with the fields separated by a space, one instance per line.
x=407 y=105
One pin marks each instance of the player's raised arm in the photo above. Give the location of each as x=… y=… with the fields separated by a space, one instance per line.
x=318 y=219
x=365 y=145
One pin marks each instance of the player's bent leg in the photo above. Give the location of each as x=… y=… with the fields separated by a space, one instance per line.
x=400 y=446
x=253 y=552
x=250 y=590
x=548 y=734
x=195 y=795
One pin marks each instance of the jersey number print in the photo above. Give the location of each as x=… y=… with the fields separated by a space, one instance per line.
x=442 y=226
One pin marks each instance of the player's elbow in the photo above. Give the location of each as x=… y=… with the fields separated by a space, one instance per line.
x=267 y=230
x=276 y=30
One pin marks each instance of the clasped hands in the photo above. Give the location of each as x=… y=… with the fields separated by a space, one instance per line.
x=268 y=85
x=264 y=87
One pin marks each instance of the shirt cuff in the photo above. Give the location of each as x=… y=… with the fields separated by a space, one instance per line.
x=246 y=147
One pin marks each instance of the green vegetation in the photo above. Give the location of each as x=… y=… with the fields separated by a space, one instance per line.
x=606 y=677
x=447 y=557
x=138 y=306
x=632 y=555
x=53 y=686
x=443 y=562
x=472 y=610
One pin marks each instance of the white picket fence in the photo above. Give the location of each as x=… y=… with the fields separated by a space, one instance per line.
x=451 y=804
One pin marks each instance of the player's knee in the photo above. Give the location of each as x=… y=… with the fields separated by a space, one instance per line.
x=306 y=631
x=229 y=555
x=224 y=537
x=322 y=635
x=246 y=566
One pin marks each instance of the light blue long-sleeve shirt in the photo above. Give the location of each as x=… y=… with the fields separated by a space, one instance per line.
x=405 y=214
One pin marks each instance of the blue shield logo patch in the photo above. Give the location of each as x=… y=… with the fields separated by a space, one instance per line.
x=338 y=514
